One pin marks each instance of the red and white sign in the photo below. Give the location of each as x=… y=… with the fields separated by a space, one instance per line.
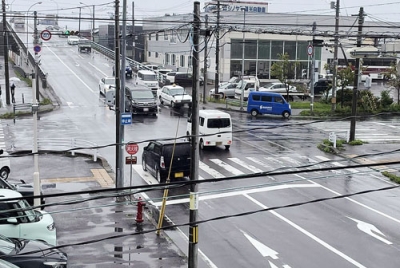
x=310 y=50
x=45 y=35
x=131 y=148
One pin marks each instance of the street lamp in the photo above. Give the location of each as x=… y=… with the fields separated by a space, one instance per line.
x=92 y=15
x=27 y=28
x=244 y=38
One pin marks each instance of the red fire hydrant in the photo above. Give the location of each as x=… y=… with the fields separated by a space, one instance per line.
x=139 y=215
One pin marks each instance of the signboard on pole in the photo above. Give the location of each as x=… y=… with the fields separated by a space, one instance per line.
x=310 y=50
x=37 y=48
x=45 y=35
x=126 y=118
x=131 y=148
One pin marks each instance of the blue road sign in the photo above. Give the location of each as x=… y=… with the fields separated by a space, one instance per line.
x=37 y=49
x=126 y=118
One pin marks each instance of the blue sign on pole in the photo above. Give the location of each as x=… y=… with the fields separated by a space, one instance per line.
x=126 y=118
x=37 y=48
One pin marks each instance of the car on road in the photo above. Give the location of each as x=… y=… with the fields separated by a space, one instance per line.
x=277 y=87
x=233 y=80
x=106 y=84
x=174 y=96
x=140 y=100
x=184 y=79
x=19 y=220
x=225 y=90
x=128 y=70
x=157 y=157
x=4 y=165
x=26 y=190
x=28 y=253
x=268 y=103
x=245 y=86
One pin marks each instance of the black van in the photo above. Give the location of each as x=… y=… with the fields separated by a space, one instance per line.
x=322 y=86
x=157 y=155
x=185 y=79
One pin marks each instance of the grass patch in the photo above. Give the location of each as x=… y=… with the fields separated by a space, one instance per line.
x=306 y=105
x=327 y=146
x=45 y=102
x=391 y=176
x=356 y=142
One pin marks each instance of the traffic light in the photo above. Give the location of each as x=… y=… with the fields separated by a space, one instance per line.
x=66 y=32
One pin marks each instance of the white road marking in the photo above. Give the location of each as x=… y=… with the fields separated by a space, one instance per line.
x=71 y=71
x=210 y=171
x=371 y=230
x=258 y=161
x=263 y=249
x=245 y=165
x=94 y=66
x=273 y=159
x=323 y=158
x=227 y=167
x=307 y=233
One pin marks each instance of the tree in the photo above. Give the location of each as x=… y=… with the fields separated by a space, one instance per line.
x=394 y=79
x=284 y=70
x=345 y=78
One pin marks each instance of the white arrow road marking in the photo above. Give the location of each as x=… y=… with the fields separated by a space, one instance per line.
x=274 y=266
x=263 y=249
x=371 y=230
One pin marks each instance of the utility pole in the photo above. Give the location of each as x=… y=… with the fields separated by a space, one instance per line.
x=217 y=50
x=205 y=59
x=335 y=56
x=35 y=109
x=243 y=41
x=194 y=164
x=93 y=23
x=119 y=96
x=356 y=74
x=314 y=27
x=79 y=23
x=5 y=50
x=133 y=32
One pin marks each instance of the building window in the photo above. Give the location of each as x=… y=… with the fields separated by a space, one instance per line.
x=156 y=54
x=167 y=58
x=149 y=54
x=182 y=61
x=173 y=60
x=290 y=49
x=156 y=36
x=165 y=35
x=190 y=62
x=276 y=49
x=149 y=36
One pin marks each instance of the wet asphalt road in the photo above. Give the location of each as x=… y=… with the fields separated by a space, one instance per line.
x=315 y=235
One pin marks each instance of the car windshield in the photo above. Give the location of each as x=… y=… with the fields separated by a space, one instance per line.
x=142 y=94
x=218 y=122
x=6 y=245
x=109 y=81
x=233 y=80
x=149 y=77
x=177 y=91
x=26 y=210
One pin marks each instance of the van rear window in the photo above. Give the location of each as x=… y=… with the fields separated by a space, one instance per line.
x=218 y=122
x=181 y=149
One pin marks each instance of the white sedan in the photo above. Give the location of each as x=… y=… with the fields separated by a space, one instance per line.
x=277 y=87
x=106 y=84
x=174 y=96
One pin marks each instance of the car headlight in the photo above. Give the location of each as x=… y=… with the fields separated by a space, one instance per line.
x=51 y=227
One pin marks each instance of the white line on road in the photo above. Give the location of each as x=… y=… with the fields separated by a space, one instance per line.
x=227 y=167
x=210 y=171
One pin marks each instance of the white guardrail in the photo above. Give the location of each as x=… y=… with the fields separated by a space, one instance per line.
x=59 y=144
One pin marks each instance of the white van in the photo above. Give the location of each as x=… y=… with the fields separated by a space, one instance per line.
x=148 y=79
x=213 y=122
x=246 y=85
x=73 y=40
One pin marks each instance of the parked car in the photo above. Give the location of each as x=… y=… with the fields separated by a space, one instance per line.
x=140 y=100
x=184 y=79
x=4 y=165
x=26 y=190
x=19 y=220
x=268 y=103
x=128 y=69
x=233 y=80
x=226 y=90
x=31 y=253
x=277 y=87
x=157 y=157
x=246 y=86
x=321 y=86
x=174 y=96
x=6 y=264
x=106 y=84
x=170 y=78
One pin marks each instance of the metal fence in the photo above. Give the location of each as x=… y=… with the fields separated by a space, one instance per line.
x=60 y=144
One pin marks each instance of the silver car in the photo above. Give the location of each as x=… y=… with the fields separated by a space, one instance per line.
x=226 y=90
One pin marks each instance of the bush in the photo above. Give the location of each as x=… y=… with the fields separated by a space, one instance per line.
x=391 y=176
x=356 y=142
x=386 y=100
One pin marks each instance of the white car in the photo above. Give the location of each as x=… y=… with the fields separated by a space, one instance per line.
x=106 y=84
x=277 y=87
x=174 y=96
x=4 y=166
x=25 y=222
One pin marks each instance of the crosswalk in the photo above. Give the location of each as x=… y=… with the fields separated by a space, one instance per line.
x=381 y=131
x=214 y=168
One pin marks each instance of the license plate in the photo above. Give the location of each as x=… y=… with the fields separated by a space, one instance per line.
x=145 y=109
x=178 y=174
x=218 y=143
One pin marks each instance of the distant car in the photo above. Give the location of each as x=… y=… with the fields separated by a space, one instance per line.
x=233 y=80
x=26 y=190
x=225 y=90
x=174 y=96
x=19 y=220
x=106 y=84
x=128 y=70
x=170 y=77
x=277 y=87
x=157 y=156
x=184 y=79
x=31 y=253
x=140 y=100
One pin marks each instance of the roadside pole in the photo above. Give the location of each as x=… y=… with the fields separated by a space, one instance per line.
x=217 y=50
x=5 y=50
x=194 y=164
x=205 y=60
x=35 y=109
x=335 y=57
x=314 y=27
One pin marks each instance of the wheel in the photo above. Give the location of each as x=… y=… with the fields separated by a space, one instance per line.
x=4 y=172
x=144 y=164
x=227 y=147
x=286 y=114
x=254 y=113
x=158 y=176
x=222 y=96
x=161 y=101
x=201 y=144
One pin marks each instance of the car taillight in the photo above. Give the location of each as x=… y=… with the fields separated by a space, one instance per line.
x=162 y=163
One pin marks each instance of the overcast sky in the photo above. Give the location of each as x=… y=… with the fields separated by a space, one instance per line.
x=376 y=10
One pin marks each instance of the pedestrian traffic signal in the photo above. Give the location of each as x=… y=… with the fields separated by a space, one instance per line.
x=66 y=32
